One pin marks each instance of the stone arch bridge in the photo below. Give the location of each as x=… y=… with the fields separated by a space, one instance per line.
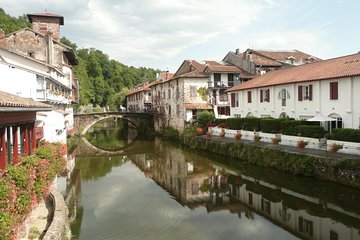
x=85 y=120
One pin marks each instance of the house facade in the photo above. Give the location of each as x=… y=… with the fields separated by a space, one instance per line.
x=259 y=62
x=325 y=88
x=40 y=67
x=18 y=129
x=177 y=100
x=223 y=76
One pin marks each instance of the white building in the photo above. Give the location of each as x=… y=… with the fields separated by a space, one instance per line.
x=34 y=64
x=326 y=88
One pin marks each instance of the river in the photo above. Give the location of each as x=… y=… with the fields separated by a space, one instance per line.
x=124 y=188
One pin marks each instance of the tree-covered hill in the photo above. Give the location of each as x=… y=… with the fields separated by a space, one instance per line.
x=102 y=81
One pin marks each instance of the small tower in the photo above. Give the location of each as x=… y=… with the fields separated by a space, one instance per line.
x=46 y=23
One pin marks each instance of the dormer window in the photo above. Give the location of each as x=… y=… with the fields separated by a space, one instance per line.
x=291 y=59
x=31 y=54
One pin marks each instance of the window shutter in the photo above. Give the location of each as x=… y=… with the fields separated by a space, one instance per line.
x=333 y=90
x=268 y=95
x=261 y=96
x=301 y=224
x=310 y=92
x=300 y=93
x=249 y=96
x=233 y=100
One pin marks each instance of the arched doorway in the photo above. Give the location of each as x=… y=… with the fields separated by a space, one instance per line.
x=249 y=114
x=283 y=115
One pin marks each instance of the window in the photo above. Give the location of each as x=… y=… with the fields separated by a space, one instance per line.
x=224 y=111
x=249 y=96
x=236 y=100
x=265 y=206
x=169 y=93
x=233 y=100
x=250 y=198
x=333 y=90
x=237 y=115
x=306 y=226
x=223 y=95
x=217 y=78
x=177 y=92
x=305 y=92
x=193 y=92
x=265 y=95
x=178 y=110
x=230 y=79
x=283 y=95
x=334 y=235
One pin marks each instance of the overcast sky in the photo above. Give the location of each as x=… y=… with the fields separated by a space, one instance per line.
x=162 y=33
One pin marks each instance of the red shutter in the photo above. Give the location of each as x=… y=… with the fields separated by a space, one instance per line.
x=300 y=93
x=334 y=90
x=310 y=92
x=261 y=96
x=249 y=96
x=2 y=148
x=233 y=100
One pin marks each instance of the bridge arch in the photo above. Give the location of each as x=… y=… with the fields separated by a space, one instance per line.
x=90 y=124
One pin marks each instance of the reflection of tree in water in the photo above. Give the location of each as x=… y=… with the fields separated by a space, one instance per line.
x=95 y=167
x=108 y=134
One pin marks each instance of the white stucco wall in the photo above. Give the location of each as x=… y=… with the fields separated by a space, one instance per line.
x=54 y=126
x=345 y=106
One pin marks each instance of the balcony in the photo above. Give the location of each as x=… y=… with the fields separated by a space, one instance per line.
x=43 y=95
x=222 y=84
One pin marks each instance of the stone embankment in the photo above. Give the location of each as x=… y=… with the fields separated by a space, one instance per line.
x=336 y=167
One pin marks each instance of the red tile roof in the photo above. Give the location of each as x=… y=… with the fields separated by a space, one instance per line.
x=166 y=75
x=8 y=101
x=45 y=14
x=345 y=66
x=200 y=106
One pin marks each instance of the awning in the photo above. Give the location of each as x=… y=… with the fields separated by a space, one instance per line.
x=194 y=106
x=321 y=118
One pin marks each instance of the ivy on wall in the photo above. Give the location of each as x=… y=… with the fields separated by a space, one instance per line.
x=202 y=91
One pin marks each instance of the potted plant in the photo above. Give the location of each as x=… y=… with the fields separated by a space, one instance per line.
x=335 y=147
x=237 y=136
x=209 y=133
x=199 y=131
x=275 y=141
x=302 y=144
x=257 y=138
x=222 y=133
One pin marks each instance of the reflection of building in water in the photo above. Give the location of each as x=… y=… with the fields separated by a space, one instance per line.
x=305 y=216
x=70 y=187
x=179 y=176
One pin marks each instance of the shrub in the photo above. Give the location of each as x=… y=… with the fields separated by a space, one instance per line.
x=205 y=117
x=270 y=125
x=345 y=134
x=252 y=124
x=288 y=126
x=211 y=125
x=222 y=125
x=310 y=131
x=170 y=133
x=235 y=123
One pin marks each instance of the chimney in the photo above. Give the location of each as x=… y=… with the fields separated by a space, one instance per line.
x=44 y=22
x=237 y=51
x=2 y=32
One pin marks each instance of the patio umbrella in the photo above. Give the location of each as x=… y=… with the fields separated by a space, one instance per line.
x=321 y=118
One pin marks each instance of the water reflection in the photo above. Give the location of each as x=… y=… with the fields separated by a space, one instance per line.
x=156 y=190
x=110 y=134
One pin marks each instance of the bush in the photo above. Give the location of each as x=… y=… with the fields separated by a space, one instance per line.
x=205 y=117
x=310 y=131
x=270 y=125
x=288 y=126
x=252 y=124
x=345 y=134
x=171 y=134
x=235 y=123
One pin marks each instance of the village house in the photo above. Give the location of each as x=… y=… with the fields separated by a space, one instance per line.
x=259 y=62
x=139 y=99
x=222 y=76
x=40 y=67
x=18 y=133
x=325 y=88
x=177 y=100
